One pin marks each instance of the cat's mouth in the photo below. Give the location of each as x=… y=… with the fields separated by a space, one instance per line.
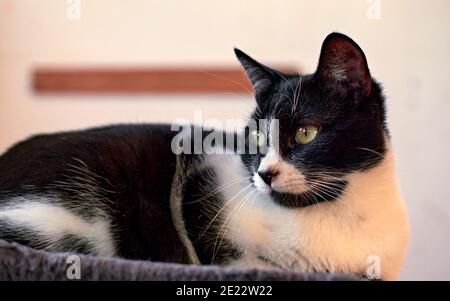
x=312 y=196
x=291 y=184
x=295 y=193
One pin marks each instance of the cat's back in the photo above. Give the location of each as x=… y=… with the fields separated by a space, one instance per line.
x=115 y=180
x=102 y=148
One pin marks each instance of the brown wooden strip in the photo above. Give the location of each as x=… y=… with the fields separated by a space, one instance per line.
x=145 y=80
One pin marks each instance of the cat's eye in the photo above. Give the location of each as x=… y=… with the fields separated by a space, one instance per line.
x=306 y=133
x=258 y=138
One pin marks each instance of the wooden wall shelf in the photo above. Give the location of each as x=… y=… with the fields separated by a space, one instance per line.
x=143 y=80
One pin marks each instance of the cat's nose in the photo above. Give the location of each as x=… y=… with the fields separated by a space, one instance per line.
x=267 y=175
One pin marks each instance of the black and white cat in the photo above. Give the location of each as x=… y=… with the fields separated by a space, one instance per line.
x=324 y=198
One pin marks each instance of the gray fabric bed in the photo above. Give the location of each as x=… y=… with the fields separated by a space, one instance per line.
x=22 y=263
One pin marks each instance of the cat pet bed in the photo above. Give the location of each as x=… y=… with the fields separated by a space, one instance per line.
x=18 y=262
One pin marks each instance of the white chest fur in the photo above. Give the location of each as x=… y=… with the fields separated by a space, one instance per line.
x=369 y=219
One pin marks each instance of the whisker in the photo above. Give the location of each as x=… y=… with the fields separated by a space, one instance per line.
x=296 y=96
x=371 y=150
x=219 y=189
x=227 y=224
x=223 y=207
x=228 y=79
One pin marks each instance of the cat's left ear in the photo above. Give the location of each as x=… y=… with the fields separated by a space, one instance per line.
x=262 y=77
x=343 y=64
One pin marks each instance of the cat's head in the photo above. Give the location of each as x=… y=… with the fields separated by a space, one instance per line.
x=330 y=124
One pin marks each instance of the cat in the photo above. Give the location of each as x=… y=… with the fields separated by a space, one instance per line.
x=320 y=193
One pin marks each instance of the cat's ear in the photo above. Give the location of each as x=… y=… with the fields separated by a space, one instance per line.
x=343 y=64
x=262 y=77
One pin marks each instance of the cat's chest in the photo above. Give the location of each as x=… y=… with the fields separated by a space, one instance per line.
x=265 y=234
x=274 y=252
x=305 y=239
x=262 y=232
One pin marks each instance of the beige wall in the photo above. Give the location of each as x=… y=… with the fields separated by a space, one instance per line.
x=407 y=50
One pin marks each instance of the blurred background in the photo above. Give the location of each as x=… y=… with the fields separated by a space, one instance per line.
x=407 y=43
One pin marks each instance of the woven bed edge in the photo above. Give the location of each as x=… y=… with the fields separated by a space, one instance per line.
x=20 y=263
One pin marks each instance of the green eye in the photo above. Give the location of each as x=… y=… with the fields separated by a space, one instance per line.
x=306 y=133
x=258 y=138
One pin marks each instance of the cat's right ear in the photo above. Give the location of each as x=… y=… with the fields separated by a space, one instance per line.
x=262 y=77
x=343 y=66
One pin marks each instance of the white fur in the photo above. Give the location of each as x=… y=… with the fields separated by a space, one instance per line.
x=52 y=222
x=338 y=236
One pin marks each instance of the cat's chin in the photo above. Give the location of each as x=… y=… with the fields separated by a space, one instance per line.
x=308 y=197
x=283 y=198
x=300 y=200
